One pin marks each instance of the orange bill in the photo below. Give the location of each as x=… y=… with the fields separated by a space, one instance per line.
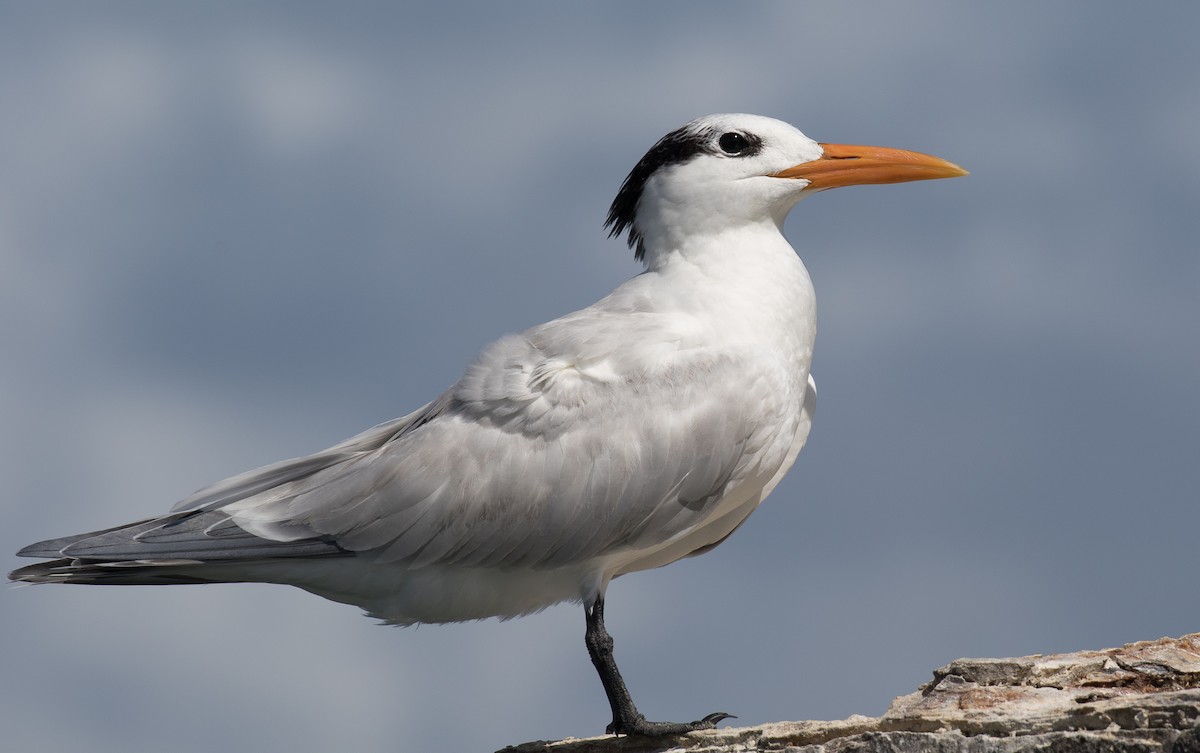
x=848 y=165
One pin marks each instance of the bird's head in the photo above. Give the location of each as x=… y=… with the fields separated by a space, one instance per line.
x=721 y=172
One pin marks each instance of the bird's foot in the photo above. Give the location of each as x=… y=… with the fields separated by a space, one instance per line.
x=637 y=725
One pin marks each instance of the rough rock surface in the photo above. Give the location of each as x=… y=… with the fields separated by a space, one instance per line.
x=1142 y=697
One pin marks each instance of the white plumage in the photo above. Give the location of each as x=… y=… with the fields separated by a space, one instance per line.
x=623 y=436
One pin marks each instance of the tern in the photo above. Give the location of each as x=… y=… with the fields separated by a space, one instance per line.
x=624 y=436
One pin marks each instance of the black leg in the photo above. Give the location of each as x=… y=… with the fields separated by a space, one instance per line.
x=627 y=720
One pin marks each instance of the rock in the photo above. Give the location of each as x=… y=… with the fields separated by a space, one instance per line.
x=1143 y=697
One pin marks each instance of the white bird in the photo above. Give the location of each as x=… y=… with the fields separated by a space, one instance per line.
x=624 y=436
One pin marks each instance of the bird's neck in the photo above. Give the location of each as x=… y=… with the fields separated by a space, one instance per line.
x=748 y=261
x=746 y=283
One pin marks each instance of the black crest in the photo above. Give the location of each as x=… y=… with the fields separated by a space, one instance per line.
x=675 y=148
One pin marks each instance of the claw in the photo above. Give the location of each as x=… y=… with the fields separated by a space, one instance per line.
x=644 y=728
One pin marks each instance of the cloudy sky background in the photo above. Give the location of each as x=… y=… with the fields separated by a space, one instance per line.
x=232 y=233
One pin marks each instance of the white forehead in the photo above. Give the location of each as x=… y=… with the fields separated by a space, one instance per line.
x=760 y=125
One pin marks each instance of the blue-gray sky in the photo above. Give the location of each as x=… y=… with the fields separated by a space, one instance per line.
x=236 y=232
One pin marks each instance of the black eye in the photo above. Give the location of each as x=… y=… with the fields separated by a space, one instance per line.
x=733 y=143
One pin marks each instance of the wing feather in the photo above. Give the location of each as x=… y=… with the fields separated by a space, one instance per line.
x=196 y=535
x=271 y=476
x=535 y=460
x=555 y=447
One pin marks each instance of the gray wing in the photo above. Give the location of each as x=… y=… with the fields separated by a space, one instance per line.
x=529 y=460
x=197 y=529
x=538 y=461
x=199 y=536
x=269 y=476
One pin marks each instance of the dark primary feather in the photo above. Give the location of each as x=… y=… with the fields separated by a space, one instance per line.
x=104 y=574
x=54 y=547
x=198 y=535
x=144 y=553
x=196 y=530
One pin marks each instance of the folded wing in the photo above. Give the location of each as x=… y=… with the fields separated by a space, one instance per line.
x=531 y=460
